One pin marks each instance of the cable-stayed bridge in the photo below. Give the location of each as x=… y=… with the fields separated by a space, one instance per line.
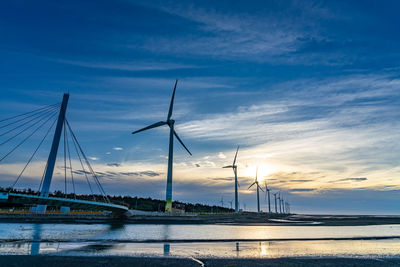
x=15 y=131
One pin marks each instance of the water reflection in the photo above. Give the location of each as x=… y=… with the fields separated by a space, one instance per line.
x=167 y=247
x=143 y=232
x=35 y=246
x=166 y=240
x=37 y=240
x=347 y=248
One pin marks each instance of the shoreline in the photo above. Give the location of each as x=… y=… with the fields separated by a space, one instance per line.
x=189 y=241
x=222 y=219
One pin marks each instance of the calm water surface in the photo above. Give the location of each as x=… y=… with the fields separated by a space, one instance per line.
x=208 y=240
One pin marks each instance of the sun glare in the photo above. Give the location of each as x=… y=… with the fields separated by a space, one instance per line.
x=264 y=170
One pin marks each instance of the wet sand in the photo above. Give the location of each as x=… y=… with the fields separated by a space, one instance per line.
x=60 y=261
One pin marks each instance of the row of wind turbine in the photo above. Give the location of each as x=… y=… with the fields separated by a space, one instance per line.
x=172 y=133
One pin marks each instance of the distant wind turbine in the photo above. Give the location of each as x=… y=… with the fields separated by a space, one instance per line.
x=276 y=207
x=258 y=191
x=172 y=133
x=279 y=199
x=234 y=167
x=267 y=194
x=222 y=201
x=230 y=202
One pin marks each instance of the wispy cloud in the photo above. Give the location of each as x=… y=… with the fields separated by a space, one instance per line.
x=352 y=179
x=265 y=34
x=114 y=164
x=125 y=66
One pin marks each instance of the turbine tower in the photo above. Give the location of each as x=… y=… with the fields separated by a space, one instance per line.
x=172 y=133
x=276 y=207
x=269 y=198
x=258 y=191
x=279 y=199
x=234 y=167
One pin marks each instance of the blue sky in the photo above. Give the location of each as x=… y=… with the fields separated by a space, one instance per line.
x=308 y=89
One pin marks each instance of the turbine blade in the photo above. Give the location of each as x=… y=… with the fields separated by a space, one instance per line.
x=251 y=186
x=230 y=166
x=160 y=123
x=180 y=141
x=234 y=161
x=171 y=105
x=256 y=173
x=260 y=188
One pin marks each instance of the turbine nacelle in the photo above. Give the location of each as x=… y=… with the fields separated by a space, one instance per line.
x=256 y=182
x=170 y=122
x=258 y=186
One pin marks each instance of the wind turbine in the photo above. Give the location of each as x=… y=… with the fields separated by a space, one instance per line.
x=222 y=201
x=234 y=167
x=172 y=133
x=276 y=207
x=279 y=199
x=230 y=202
x=269 y=198
x=258 y=191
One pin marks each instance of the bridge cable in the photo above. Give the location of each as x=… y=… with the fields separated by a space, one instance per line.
x=41 y=181
x=70 y=167
x=65 y=163
x=25 y=123
x=28 y=112
x=30 y=159
x=101 y=190
x=36 y=113
x=42 y=117
x=105 y=197
x=26 y=138
x=83 y=169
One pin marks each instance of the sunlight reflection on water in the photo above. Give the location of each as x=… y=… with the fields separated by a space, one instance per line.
x=101 y=239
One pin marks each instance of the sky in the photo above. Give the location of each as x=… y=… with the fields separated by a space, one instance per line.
x=310 y=90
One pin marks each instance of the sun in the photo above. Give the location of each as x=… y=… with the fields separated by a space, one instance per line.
x=264 y=169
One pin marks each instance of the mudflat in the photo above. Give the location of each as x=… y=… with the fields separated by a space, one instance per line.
x=235 y=219
x=60 y=261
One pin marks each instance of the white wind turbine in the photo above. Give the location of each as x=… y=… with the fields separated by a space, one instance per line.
x=170 y=122
x=234 y=167
x=258 y=191
x=267 y=193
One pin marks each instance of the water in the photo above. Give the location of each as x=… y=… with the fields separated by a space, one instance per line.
x=198 y=240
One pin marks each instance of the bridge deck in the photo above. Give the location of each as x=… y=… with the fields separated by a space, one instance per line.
x=58 y=202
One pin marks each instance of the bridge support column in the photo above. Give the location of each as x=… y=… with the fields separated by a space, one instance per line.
x=53 y=153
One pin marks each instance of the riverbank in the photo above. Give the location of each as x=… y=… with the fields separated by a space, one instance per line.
x=234 y=219
x=60 y=261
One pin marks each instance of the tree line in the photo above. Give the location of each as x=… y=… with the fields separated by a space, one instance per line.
x=137 y=203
